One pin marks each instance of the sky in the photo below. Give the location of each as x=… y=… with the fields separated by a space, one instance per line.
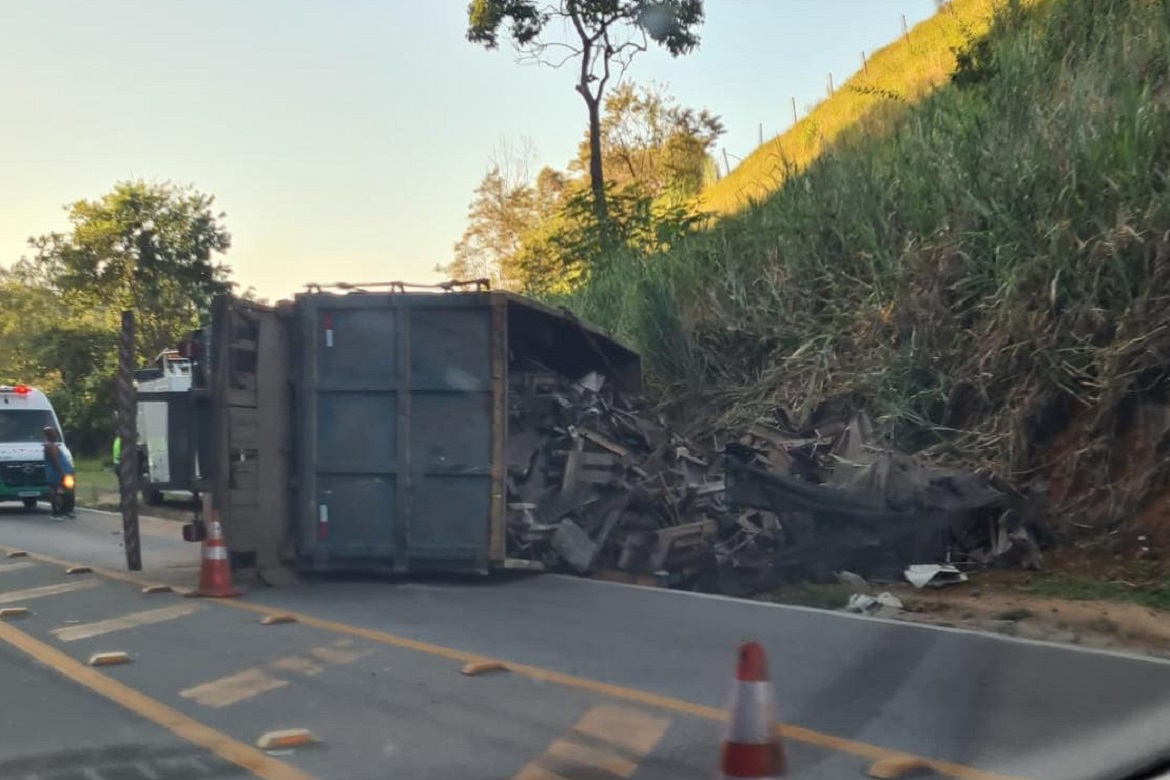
x=343 y=138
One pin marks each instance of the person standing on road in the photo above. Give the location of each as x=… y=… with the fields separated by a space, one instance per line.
x=57 y=465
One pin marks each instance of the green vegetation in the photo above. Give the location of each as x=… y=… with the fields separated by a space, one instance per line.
x=804 y=594
x=989 y=266
x=543 y=235
x=96 y=482
x=142 y=246
x=1154 y=594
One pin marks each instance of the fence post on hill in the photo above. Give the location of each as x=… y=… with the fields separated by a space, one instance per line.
x=864 y=64
x=128 y=434
x=905 y=29
x=794 y=119
x=830 y=85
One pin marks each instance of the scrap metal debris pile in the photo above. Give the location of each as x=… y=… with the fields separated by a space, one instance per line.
x=595 y=482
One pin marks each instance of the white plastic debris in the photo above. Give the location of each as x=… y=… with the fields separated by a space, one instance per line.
x=883 y=603
x=933 y=575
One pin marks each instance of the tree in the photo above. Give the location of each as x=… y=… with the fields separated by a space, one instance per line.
x=503 y=207
x=603 y=36
x=497 y=217
x=147 y=247
x=648 y=138
x=143 y=246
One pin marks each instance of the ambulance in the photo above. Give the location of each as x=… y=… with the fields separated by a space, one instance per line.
x=24 y=413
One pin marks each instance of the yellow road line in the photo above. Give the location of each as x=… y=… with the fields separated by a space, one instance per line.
x=133 y=620
x=238 y=753
x=797 y=733
x=13 y=596
x=233 y=688
x=16 y=566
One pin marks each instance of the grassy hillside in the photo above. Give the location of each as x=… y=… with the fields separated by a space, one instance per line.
x=898 y=74
x=989 y=275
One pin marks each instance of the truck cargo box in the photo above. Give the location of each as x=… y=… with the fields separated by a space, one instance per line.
x=368 y=431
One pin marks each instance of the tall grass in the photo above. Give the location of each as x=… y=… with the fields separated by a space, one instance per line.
x=992 y=266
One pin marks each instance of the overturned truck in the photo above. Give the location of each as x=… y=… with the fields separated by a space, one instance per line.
x=367 y=430
x=477 y=431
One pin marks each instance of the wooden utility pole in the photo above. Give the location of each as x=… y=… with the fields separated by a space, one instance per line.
x=128 y=434
x=794 y=119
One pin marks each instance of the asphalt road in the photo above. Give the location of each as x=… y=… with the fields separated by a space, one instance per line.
x=605 y=681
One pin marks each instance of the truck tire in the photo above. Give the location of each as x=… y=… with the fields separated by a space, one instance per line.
x=29 y=503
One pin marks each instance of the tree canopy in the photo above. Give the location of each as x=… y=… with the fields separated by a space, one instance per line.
x=150 y=247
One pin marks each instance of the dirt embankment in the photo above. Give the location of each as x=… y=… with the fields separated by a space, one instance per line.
x=1099 y=624
x=1089 y=603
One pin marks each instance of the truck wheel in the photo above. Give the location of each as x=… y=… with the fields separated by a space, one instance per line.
x=152 y=497
x=29 y=503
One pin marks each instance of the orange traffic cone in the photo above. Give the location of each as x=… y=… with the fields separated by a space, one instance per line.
x=215 y=575
x=752 y=748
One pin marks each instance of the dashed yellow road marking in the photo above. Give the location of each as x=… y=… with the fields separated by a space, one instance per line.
x=566 y=759
x=339 y=655
x=233 y=688
x=6 y=567
x=45 y=590
x=536 y=772
x=244 y=685
x=796 y=733
x=182 y=726
x=632 y=730
x=296 y=663
x=133 y=620
x=573 y=753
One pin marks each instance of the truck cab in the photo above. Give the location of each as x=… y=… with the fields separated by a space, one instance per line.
x=157 y=389
x=24 y=412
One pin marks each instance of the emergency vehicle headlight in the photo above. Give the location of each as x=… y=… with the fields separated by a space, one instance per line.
x=68 y=482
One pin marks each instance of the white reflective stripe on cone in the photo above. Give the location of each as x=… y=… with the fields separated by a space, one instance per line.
x=215 y=554
x=750 y=714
